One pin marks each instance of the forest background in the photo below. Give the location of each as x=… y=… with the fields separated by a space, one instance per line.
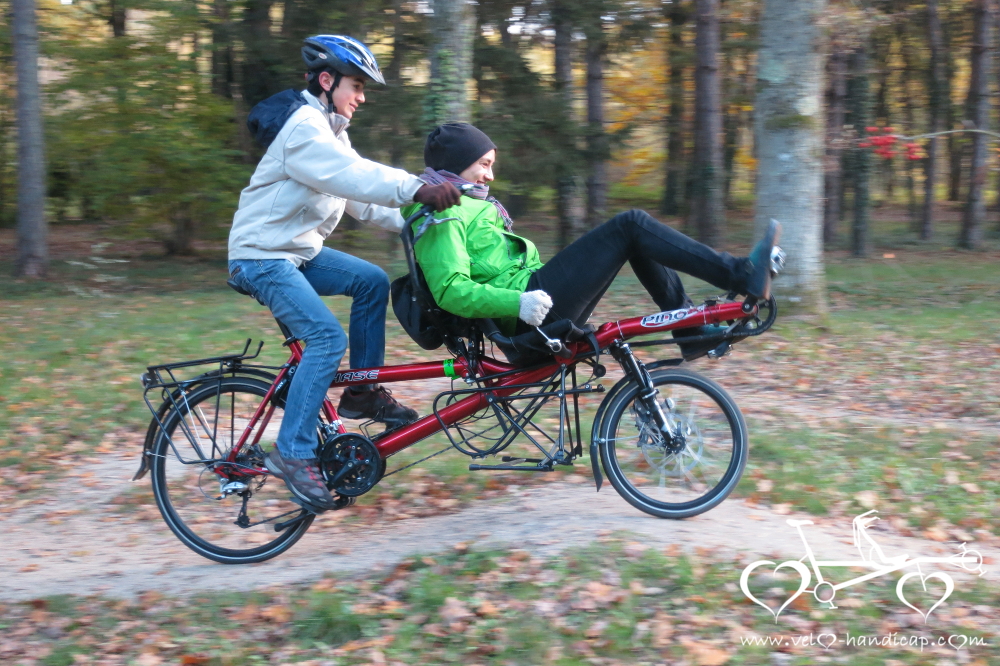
x=597 y=106
x=145 y=102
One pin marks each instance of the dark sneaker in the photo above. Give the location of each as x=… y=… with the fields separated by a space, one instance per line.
x=302 y=477
x=692 y=350
x=377 y=405
x=758 y=282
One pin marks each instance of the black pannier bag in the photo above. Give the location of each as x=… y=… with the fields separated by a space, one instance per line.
x=414 y=313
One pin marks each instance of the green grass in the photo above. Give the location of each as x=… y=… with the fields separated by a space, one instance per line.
x=918 y=475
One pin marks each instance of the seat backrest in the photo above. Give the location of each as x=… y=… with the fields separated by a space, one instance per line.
x=417 y=311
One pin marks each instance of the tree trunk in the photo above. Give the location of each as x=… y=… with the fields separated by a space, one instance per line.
x=974 y=219
x=394 y=79
x=730 y=127
x=956 y=142
x=222 y=50
x=937 y=88
x=834 y=167
x=569 y=206
x=908 y=109
x=453 y=25
x=32 y=229
x=597 y=140
x=671 y=204
x=261 y=56
x=861 y=112
x=117 y=18
x=789 y=138
x=707 y=211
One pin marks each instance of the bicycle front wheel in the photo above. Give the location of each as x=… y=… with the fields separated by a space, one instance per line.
x=679 y=476
x=228 y=520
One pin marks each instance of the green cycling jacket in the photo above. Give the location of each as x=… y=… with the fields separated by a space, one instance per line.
x=473 y=267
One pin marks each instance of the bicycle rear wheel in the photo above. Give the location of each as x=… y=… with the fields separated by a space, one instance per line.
x=683 y=477
x=237 y=527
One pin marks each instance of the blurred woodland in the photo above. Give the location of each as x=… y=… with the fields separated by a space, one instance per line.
x=144 y=103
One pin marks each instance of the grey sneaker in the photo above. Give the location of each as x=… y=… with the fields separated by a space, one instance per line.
x=303 y=479
x=758 y=282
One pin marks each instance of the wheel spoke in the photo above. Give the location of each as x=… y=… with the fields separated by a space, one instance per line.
x=202 y=505
x=685 y=474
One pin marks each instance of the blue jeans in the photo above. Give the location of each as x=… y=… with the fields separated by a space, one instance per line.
x=293 y=295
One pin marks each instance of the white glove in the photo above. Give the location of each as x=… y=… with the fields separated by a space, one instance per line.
x=534 y=306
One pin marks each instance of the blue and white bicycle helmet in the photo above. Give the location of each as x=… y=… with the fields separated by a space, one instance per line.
x=343 y=54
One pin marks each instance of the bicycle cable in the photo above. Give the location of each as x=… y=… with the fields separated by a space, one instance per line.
x=447 y=448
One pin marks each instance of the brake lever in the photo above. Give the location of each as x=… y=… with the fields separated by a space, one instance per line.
x=555 y=346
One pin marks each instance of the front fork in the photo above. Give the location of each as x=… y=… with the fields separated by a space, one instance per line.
x=647 y=396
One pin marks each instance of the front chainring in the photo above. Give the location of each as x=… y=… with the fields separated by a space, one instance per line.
x=351 y=465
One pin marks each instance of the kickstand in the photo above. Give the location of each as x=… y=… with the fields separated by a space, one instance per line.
x=243 y=520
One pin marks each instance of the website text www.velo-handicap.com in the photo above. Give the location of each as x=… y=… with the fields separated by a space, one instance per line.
x=890 y=640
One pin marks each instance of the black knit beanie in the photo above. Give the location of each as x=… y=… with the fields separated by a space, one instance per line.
x=455 y=146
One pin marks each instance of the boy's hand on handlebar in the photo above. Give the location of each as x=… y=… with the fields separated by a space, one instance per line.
x=438 y=197
x=534 y=306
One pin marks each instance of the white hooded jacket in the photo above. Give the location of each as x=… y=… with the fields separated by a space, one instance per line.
x=309 y=176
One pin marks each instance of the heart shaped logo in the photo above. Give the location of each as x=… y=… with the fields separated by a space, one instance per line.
x=791 y=564
x=830 y=639
x=956 y=644
x=949 y=587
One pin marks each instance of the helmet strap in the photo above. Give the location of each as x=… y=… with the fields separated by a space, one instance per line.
x=337 y=76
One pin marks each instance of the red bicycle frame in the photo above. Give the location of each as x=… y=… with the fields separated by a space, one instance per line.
x=409 y=435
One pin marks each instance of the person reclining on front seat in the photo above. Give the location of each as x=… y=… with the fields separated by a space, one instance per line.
x=475 y=266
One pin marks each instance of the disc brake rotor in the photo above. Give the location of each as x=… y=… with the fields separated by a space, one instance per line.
x=673 y=461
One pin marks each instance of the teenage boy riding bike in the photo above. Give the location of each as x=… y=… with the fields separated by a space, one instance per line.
x=308 y=178
x=475 y=266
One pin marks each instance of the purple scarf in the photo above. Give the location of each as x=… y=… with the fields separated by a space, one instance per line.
x=432 y=177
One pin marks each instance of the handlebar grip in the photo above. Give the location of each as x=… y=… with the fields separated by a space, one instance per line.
x=421 y=212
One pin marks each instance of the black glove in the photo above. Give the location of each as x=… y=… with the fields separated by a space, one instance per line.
x=438 y=197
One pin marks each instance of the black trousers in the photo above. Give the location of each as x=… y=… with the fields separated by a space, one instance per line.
x=578 y=276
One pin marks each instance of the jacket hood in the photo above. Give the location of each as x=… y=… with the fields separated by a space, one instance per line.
x=268 y=117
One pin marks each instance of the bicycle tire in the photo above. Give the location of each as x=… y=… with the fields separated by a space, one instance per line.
x=184 y=492
x=701 y=474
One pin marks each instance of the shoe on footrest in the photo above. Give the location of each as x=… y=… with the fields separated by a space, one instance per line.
x=377 y=405
x=759 y=263
x=692 y=350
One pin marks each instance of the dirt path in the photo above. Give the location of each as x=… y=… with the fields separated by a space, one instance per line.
x=84 y=546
